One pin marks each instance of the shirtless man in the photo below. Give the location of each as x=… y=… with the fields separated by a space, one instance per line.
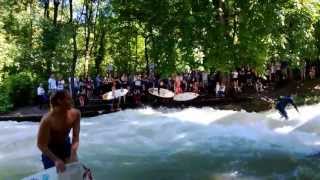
x=53 y=136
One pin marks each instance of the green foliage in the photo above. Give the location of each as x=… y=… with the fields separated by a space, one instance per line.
x=5 y=103
x=20 y=88
x=174 y=35
x=244 y=33
x=307 y=99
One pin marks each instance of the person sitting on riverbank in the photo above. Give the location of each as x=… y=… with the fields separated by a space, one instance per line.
x=282 y=103
x=53 y=135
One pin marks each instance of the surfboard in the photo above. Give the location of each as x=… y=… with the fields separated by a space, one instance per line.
x=74 y=171
x=117 y=93
x=164 y=93
x=187 y=96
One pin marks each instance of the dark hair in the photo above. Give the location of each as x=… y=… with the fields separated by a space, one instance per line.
x=56 y=96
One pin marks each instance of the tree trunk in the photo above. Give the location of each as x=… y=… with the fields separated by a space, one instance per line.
x=31 y=25
x=75 y=49
x=46 y=8
x=87 y=35
x=74 y=59
x=101 y=51
x=70 y=11
x=46 y=15
x=146 y=54
x=62 y=9
x=221 y=12
x=49 y=66
x=93 y=48
x=235 y=30
x=56 y=8
x=129 y=48
x=136 y=59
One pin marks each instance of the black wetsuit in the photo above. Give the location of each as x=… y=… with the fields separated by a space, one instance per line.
x=282 y=103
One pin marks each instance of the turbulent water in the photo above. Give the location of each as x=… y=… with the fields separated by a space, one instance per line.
x=173 y=144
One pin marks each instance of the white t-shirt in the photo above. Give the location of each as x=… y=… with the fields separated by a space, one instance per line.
x=137 y=82
x=273 y=69
x=60 y=85
x=204 y=76
x=278 y=66
x=76 y=82
x=52 y=84
x=222 y=88
x=217 y=88
x=235 y=74
x=40 y=91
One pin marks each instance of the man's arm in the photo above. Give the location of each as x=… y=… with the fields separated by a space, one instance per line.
x=75 y=136
x=294 y=105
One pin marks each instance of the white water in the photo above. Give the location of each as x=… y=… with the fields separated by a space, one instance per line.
x=176 y=144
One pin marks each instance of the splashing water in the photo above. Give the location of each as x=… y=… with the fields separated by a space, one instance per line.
x=175 y=144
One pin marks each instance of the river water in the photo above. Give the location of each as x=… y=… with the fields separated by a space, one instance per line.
x=175 y=144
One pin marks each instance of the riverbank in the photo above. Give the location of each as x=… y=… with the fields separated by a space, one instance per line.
x=305 y=93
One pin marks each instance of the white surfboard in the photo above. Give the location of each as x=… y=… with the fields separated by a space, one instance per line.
x=164 y=93
x=74 y=171
x=117 y=93
x=187 y=96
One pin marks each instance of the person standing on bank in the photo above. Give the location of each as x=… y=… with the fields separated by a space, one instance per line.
x=41 y=96
x=52 y=84
x=53 y=135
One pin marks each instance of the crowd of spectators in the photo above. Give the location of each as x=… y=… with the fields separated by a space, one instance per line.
x=215 y=83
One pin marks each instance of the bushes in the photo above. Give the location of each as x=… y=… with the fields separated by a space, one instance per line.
x=20 y=89
x=5 y=103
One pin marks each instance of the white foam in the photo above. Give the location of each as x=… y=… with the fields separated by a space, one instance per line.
x=148 y=131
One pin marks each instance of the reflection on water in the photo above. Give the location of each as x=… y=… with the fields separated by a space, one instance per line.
x=172 y=144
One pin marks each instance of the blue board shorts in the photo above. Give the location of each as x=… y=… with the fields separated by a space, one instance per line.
x=62 y=151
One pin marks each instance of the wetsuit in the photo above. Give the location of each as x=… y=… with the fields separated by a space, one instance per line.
x=62 y=151
x=282 y=103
